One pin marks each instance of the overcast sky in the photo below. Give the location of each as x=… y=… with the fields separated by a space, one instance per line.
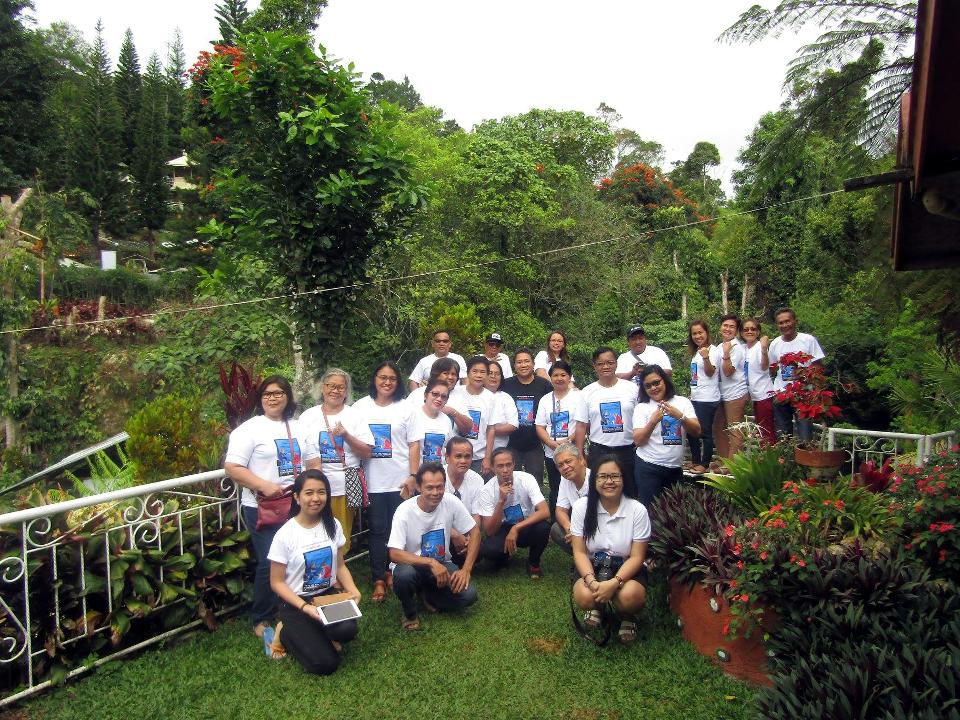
x=658 y=63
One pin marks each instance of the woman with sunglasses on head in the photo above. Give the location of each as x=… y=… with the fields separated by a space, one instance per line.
x=556 y=350
x=429 y=430
x=609 y=534
x=704 y=392
x=306 y=561
x=338 y=440
x=562 y=416
x=263 y=455
x=756 y=367
x=660 y=421
x=384 y=411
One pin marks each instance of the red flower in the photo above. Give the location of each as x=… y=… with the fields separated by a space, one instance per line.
x=804 y=516
x=763 y=555
x=744 y=598
x=942 y=555
x=729 y=530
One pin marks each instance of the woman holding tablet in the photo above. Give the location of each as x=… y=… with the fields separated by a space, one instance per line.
x=306 y=560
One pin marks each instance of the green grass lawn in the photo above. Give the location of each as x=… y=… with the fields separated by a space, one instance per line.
x=512 y=655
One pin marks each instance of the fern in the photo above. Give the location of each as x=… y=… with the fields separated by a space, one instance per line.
x=105 y=474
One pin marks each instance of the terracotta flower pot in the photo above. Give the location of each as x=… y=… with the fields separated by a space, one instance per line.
x=703 y=616
x=822 y=464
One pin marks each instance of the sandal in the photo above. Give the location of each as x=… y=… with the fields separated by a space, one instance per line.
x=260 y=628
x=628 y=631
x=698 y=469
x=410 y=623
x=592 y=619
x=379 y=593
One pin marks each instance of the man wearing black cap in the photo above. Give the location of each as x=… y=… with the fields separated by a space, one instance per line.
x=491 y=348
x=631 y=363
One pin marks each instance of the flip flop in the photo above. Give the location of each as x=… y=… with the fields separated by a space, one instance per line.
x=379 y=593
x=410 y=623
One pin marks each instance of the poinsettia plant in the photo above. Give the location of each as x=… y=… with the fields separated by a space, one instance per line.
x=809 y=390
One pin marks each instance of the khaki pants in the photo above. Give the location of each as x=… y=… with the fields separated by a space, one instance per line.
x=729 y=442
x=338 y=503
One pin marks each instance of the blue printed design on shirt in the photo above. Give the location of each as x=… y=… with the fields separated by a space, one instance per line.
x=525 y=413
x=317 y=569
x=382 y=440
x=560 y=424
x=513 y=514
x=671 y=430
x=329 y=453
x=286 y=460
x=432 y=447
x=475 y=425
x=433 y=545
x=611 y=417
x=746 y=370
x=694 y=374
x=786 y=372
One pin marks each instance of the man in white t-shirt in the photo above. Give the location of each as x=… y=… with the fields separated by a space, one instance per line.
x=479 y=403
x=574 y=484
x=441 y=348
x=465 y=485
x=419 y=544
x=491 y=349
x=514 y=514
x=631 y=363
x=790 y=341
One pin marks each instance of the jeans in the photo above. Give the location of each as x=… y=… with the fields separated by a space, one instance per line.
x=408 y=579
x=553 y=480
x=534 y=537
x=264 y=607
x=380 y=516
x=309 y=641
x=652 y=478
x=784 y=420
x=701 y=448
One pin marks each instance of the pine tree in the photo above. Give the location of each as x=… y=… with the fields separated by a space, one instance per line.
x=150 y=154
x=231 y=16
x=176 y=84
x=98 y=148
x=128 y=85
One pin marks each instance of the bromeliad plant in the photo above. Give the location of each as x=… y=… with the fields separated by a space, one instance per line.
x=756 y=477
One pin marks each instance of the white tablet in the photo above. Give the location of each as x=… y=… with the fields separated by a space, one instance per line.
x=338 y=612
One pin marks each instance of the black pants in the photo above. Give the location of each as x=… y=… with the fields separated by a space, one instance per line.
x=652 y=478
x=534 y=537
x=553 y=478
x=626 y=454
x=701 y=448
x=309 y=641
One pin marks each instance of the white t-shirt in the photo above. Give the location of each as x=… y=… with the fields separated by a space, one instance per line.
x=569 y=493
x=703 y=387
x=309 y=554
x=261 y=445
x=421 y=373
x=615 y=533
x=505 y=367
x=320 y=442
x=735 y=386
x=505 y=412
x=758 y=379
x=560 y=417
x=469 y=489
x=521 y=502
x=780 y=347
x=610 y=411
x=652 y=355
x=481 y=408
x=389 y=465
x=431 y=433
x=428 y=534
x=665 y=444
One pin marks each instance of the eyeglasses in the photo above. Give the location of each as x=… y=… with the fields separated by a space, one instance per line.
x=334 y=388
x=274 y=394
x=387 y=378
x=653 y=384
x=609 y=477
x=605 y=363
x=750 y=329
x=441 y=341
x=439 y=396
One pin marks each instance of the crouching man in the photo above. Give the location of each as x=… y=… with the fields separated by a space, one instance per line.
x=419 y=544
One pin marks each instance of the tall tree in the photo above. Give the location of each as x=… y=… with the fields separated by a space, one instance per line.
x=98 y=149
x=176 y=82
x=293 y=16
x=231 y=16
x=150 y=153
x=403 y=94
x=692 y=175
x=128 y=84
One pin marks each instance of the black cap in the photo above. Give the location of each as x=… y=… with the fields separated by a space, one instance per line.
x=495 y=338
x=635 y=330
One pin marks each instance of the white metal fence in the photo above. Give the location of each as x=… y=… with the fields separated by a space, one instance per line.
x=877 y=445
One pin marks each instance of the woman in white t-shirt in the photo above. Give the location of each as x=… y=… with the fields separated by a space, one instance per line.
x=505 y=410
x=556 y=350
x=387 y=416
x=609 y=533
x=756 y=367
x=337 y=441
x=661 y=419
x=263 y=455
x=562 y=416
x=306 y=561
x=734 y=392
x=429 y=427
x=704 y=392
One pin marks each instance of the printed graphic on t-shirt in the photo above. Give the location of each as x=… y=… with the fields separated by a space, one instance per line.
x=475 y=426
x=786 y=372
x=611 y=417
x=317 y=569
x=329 y=453
x=382 y=440
x=694 y=375
x=671 y=430
x=286 y=460
x=560 y=424
x=513 y=514
x=432 y=447
x=746 y=370
x=432 y=545
x=525 y=412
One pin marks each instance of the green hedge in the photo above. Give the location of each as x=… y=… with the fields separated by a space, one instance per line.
x=122 y=286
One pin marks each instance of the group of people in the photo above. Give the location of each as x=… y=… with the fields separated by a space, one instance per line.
x=453 y=467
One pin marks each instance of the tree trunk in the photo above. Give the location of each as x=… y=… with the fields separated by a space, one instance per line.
x=12 y=215
x=745 y=294
x=725 y=290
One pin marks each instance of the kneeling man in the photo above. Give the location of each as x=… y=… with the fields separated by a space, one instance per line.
x=514 y=514
x=419 y=544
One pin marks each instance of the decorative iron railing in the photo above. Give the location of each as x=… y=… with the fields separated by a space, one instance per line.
x=877 y=445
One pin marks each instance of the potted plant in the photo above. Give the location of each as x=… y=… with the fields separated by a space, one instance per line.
x=810 y=394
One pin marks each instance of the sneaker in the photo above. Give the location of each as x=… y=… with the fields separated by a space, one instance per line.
x=534 y=572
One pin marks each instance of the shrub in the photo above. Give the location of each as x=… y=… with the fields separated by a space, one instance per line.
x=755 y=478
